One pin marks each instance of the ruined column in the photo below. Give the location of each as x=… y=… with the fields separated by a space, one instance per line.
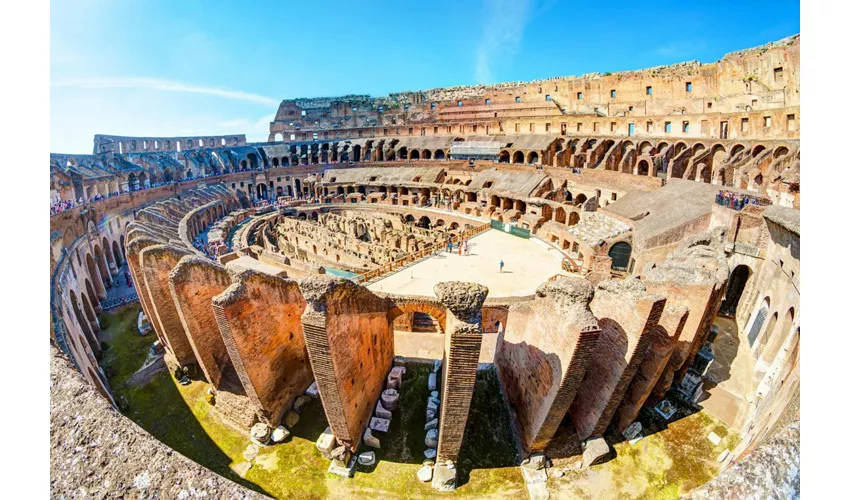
x=351 y=351
x=463 y=303
x=156 y=263
x=193 y=284
x=135 y=244
x=627 y=315
x=259 y=317
x=543 y=356
x=664 y=337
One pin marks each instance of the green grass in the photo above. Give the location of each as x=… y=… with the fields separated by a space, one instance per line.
x=127 y=349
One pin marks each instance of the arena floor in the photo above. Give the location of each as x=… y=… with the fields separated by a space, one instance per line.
x=528 y=263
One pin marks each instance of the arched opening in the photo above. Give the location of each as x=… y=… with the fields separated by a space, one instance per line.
x=643 y=167
x=758 y=322
x=777 y=340
x=757 y=150
x=574 y=219
x=439 y=155
x=737 y=282
x=768 y=334
x=357 y=153
x=426 y=154
x=620 y=254
x=84 y=325
x=95 y=276
x=580 y=199
x=107 y=251
x=519 y=157
x=560 y=215
x=533 y=158
x=116 y=253
x=98 y=384
x=425 y=222
x=123 y=249
x=414 y=154
x=504 y=157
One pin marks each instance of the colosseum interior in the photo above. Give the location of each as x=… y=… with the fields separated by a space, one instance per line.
x=529 y=288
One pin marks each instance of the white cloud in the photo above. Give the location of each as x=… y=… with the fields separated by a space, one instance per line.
x=159 y=84
x=503 y=32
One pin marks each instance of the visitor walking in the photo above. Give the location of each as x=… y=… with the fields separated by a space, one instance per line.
x=501 y=266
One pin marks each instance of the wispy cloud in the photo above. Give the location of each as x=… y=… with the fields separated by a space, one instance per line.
x=503 y=32
x=159 y=84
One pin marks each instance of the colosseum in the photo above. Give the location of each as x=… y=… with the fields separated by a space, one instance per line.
x=572 y=287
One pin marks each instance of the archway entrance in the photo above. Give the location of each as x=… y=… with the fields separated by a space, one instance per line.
x=620 y=254
x=737 y=281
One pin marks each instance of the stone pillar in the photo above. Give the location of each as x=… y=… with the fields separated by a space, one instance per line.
x=156 y=262
x=135 y=245
x=193 y=284
x=351 y=351
x=543 y=355
x=258 y=316
x=664 y=337
x=463 y=303
x=627 y=316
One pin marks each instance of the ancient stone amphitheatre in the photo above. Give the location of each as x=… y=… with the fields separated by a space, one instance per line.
x=577 y=286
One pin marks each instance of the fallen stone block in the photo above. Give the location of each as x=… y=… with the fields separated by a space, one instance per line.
x=430 y=414
x=425 y=473
x=432 y=381
x=432 y=424
x=342 y=470
x=444 y=477
x=714 y=438
x=594 y=451
x=382 y=412
x=533 y=476
x=536 y=461
x=260 y=433
x=301 y=403
x=340 y=455
x=632 y=430
x=366 y=458
x=242 y=468
x=435 y=394
x=280 y=434
x=251 y=452
x=370 y=440
x=393 y=382
x=537 y=491
x=438 y=363
x=431 y=453
x=431 y=438
x=432 y=405
x=379 y=424
x=290 y=419
x=326 y=443
x=435 y=400
x=390 y=399
x=313 y=390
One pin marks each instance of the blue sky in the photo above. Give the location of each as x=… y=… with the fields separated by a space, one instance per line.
x=167 y=68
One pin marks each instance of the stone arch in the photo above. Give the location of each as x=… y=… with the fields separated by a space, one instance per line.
x=439 y=154
x=88 y=310
x=644 y=148
x=414 y=154
x=758 y=321
x=504 y=156
x=426 y=154
x=116 y=254
x=697 y=148
x=95 y=276
x=84 y=325
x=738 y=279
x=561 y=215
x=777 y=339
x=574 y=219
x=435 y=311
x=580 y=199
x=107 y=251
x=780 y=151
x=123 y=249
x=519 y=157
x=757 y=150
x=737 y=148
x=620 y=254
x=533 y=158
x=98 y=384
x=643 y=167
x=102 y=266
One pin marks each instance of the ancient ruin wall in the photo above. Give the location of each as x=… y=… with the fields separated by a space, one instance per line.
x=627 y=315
x=259 y=317
x=351 y=351
x=543 y=355
x=194 y=282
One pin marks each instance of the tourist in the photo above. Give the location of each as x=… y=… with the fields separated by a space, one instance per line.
x=501 y=266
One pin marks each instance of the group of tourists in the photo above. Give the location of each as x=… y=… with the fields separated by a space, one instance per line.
x=462 y=246
x=736 y=201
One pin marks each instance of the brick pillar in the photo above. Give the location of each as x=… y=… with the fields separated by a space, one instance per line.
x=543 y=354
x=193 y=284
x=463 y=303
x=627 y=315
x=259 y=317
x=156 y=263
x=664 y=337
x=134 y=248
x=351 y=351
